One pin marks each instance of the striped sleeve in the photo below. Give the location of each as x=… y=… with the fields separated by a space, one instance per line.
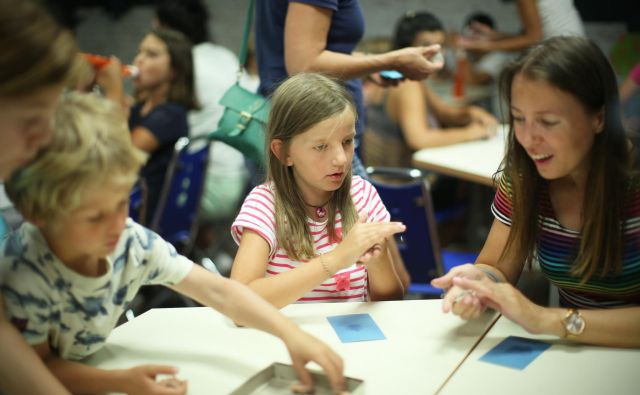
x=366 y=199
x=257 y=214
x=502 y=205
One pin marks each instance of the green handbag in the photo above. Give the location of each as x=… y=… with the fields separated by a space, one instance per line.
x=243 y=121
x=245 y=114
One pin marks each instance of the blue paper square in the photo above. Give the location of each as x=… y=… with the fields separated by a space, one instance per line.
x=515 y=352
x=355 y=328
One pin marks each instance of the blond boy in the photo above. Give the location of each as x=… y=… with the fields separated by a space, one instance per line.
x=71 y=270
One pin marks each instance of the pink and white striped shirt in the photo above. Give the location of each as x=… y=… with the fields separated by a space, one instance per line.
x=347 y=285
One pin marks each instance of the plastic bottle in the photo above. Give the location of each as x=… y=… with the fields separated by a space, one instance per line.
x=99 y=62
x=459 y=75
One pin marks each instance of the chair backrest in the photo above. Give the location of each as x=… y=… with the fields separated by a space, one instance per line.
x=406 y=194
x=176 y=216
x=138 y=202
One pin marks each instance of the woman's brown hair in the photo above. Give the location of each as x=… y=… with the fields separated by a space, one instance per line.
x=578 y=67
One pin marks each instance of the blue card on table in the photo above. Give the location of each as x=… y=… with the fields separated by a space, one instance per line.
x=355 y=328
x=515 y=352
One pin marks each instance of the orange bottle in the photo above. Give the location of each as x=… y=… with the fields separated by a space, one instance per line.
x=459 y=75
x=99 y=62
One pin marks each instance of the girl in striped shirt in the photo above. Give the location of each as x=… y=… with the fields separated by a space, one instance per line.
x=568 y=198
x=312 y=233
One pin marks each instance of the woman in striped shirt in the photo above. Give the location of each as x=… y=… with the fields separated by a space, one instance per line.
x=311 y=233
x=568 y=198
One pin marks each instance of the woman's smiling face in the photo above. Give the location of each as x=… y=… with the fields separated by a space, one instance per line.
x=553 y=127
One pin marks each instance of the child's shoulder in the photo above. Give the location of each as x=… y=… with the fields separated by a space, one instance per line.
x=27 y=236
x=360 y=185
x=263 y=191
x=25 y=258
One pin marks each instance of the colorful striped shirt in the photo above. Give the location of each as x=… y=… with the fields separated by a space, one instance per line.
x=558 y=247
x=349 y=284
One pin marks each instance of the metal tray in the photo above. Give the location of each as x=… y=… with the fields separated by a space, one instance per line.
x=277 y=379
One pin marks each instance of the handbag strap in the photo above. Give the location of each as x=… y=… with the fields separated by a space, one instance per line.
x=242 y=58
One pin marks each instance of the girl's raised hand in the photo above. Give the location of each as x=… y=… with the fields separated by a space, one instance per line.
x=364 y=241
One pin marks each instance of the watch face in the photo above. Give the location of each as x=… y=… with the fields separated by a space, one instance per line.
x=574 y=323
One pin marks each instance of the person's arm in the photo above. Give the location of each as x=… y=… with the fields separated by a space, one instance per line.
x=84 y=379
x=384 y=280
x=144 y=139
x=461 y=116
x=110 y=80
x=21 y=371
x=305 y=42
x=250 y=263
x=531 y=32
x=398 y=263
x=630 y=85
x=604 y=327
x=488 y=266
x=239 y=303
x=408 y=107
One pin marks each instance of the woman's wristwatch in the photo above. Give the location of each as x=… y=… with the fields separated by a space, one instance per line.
x=574 y=323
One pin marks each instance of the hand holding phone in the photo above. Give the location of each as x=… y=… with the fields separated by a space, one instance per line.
x=391 y=75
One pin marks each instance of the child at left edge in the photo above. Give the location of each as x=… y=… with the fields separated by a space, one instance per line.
x=69 y=272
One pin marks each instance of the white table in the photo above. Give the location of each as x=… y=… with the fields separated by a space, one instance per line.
x=474 y=161
x=564 y=368
x=422 y=347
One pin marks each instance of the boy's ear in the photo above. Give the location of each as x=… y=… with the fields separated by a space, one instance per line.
x=276 y=147
x=37 y=222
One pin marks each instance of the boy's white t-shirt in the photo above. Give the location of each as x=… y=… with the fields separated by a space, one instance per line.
x=46 y=300
x=347 y=285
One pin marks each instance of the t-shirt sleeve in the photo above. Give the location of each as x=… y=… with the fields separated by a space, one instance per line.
x=164 y=265
x=366 y=199
x=26 y=303
x=167 y=123
x=502 y=205
x=257 y=214
x=330 y=4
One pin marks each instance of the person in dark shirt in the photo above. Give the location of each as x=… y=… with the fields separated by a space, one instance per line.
x=320 y=36
x=164 y=94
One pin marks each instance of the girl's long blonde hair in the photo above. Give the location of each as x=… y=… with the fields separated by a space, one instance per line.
x=301 y=102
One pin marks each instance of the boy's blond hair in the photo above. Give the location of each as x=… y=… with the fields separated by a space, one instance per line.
x=91 y=144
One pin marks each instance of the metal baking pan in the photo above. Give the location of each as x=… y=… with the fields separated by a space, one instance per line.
x=277 y=379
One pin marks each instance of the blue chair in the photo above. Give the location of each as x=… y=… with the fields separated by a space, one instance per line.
x=176 y=216
x=407 y=196
x=138 y=202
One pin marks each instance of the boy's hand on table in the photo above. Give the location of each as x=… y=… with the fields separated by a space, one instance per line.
x=304 y=348
x=142 y=381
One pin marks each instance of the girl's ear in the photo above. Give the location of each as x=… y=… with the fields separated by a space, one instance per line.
x=277 y=149
x=599 y=121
